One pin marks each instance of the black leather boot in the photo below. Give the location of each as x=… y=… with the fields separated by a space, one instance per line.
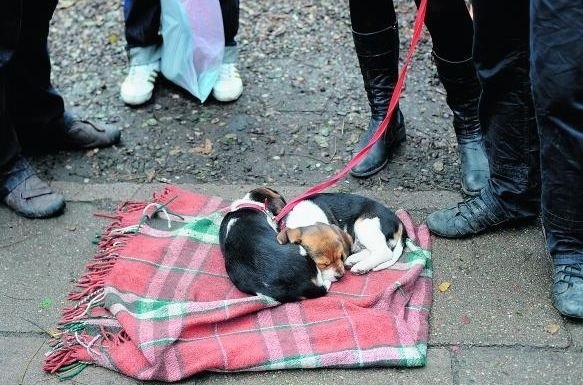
x=378 y=57
x=463 y=94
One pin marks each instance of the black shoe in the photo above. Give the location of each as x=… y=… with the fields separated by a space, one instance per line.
x=26 y=194
x=568 y=290
x=474 y=164
x=378 y=155
x=472 y=217
x=81 y=134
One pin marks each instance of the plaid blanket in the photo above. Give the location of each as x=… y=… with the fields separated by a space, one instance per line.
x=155 y=303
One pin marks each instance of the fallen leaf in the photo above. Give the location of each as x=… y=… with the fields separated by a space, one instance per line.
x=55 y=333
x=205 y=148
x=465 y=320
x=444 y=286
x=112 y=38
x=552 y=329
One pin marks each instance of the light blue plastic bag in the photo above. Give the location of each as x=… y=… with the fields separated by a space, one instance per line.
x=193 y=44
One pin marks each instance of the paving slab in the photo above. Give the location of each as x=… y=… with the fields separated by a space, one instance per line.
x=39 y=262
x=499 y=293
x=502 y=366
x=21 y=361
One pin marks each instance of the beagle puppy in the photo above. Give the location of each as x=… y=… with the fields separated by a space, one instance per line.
x=287 y=267
x=376 y=230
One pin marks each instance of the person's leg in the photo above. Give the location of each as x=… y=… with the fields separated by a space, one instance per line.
x=230 y=12
x=507 y=117
x=33 y=103
x=376 y=42
x=556 y=73
x=450 y=26
x=9 y=146
x=35 y=107
x=142 y=30
x=229 y=85
x=143 y=41
x=20 y=188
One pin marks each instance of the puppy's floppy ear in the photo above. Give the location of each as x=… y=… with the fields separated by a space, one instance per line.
x=290 y=236
x=346 y=238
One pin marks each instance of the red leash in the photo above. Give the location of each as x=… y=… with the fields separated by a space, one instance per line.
x=418 y=27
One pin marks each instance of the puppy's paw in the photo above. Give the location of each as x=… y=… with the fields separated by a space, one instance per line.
x=327 y=284
x=384 y=265
x=355 y=258
x=362 y=267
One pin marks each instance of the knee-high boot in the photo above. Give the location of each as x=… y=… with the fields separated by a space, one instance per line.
x=463 y=94
x=378 y=57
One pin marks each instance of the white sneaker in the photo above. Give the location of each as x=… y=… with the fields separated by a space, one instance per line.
x=229 y=86
x=138 y=86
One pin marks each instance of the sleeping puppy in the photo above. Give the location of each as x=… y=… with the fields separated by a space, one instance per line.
x=257 y=262
x=376 y=230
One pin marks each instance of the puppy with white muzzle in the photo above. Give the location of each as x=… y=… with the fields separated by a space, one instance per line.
x=376 y=230
x=288 y=266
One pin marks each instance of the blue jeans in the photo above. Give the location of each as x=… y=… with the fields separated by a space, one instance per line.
x=531 y=110
x=142 y=24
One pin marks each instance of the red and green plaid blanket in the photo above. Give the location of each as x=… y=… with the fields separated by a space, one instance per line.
x=155 y=303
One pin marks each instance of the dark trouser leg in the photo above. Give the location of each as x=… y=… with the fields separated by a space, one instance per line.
x=376 y=41
x=142 y=27
x=501 y=53
x=450 y=26
x=34 y=105
x=452 y=33
x=142 y=23
x=556 y=73
x=507 y=117
x=9 y=146
x=230 y=12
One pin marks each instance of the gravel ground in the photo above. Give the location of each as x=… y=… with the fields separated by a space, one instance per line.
x=300 y=115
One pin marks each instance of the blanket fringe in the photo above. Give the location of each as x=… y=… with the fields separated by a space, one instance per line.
x=67 y=352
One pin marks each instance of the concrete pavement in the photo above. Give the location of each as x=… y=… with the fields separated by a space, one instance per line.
x=494 y=325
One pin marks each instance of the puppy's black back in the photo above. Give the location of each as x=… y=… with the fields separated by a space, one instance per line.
x=257 y=263
x=345 y=208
